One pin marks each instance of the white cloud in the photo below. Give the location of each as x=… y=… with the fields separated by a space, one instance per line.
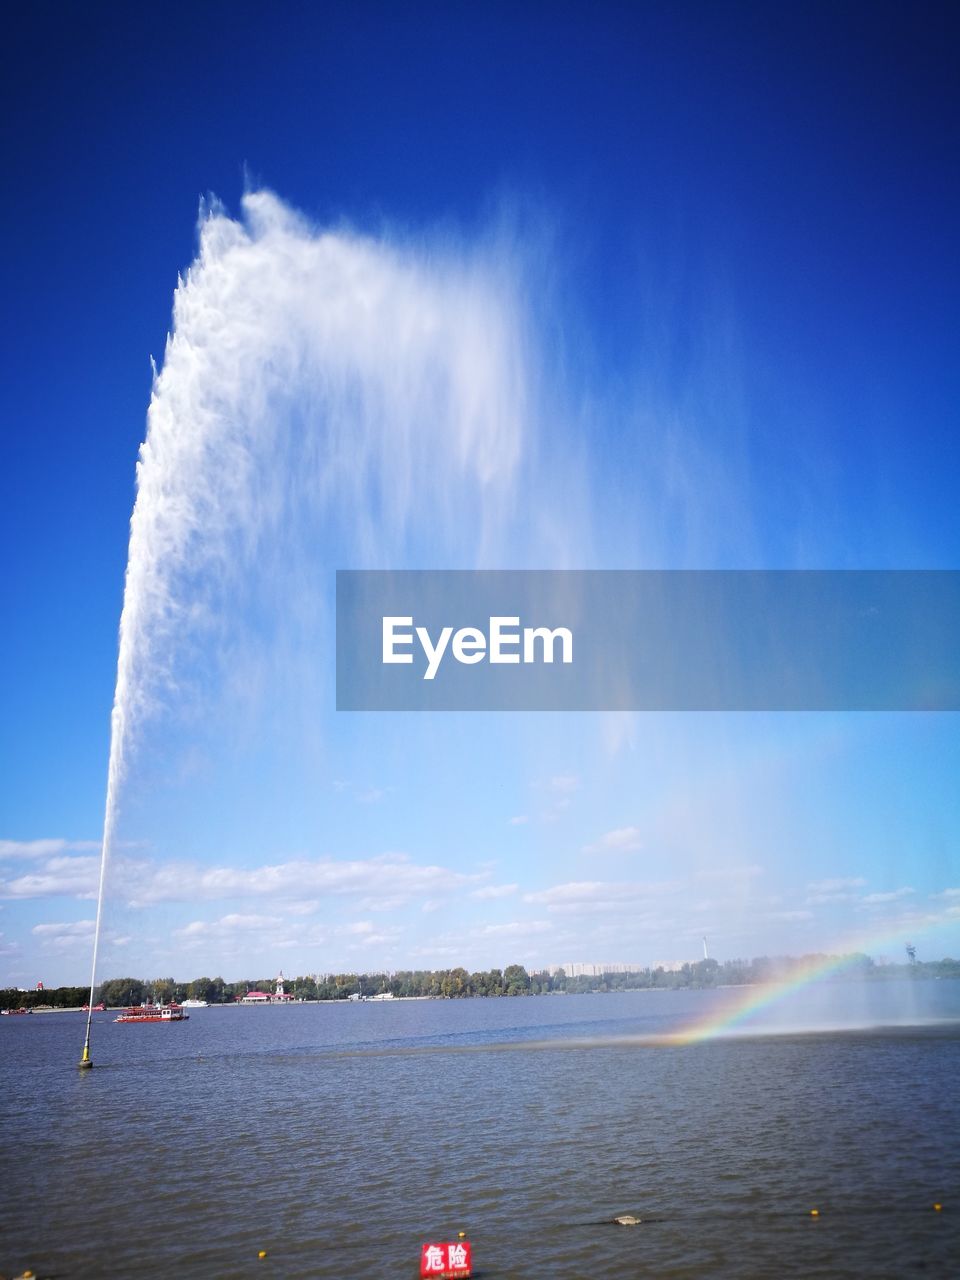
x=519 y=820
x=364 y=934
x=358 y=927
x=392 y=874
x=385 y=902
x=306 y=907
x=67 y=935
x=372 y=795
x=726 y=874
x=836 y=885
x=564 y=783
x=620 y=840
x=28 y=849
x=253 y=932
x=878 y=899
x=301 y=882
x=514 y=929
x=60 y=877
x=492 y=891
x=76 y=929
x=232 y=923
x=599 y=895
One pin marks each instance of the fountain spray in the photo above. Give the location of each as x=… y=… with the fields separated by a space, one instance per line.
x=373 y=388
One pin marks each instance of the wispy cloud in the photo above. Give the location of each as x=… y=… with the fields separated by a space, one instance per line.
x=254 y=931
x=620 y=840
x=879 y=899
x=564 y=783
x=14 y=850
x=558 y=792
x=60 y=877
x=512 y=929
x=67 y=935
x=836 y=885
x=599 y=895
x=394 y=876
x=364 y=933
x=837 y=890
x=490 y=892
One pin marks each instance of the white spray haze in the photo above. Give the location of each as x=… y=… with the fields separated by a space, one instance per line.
x=315 y=371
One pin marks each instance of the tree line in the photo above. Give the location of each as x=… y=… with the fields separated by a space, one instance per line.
x=457 y=983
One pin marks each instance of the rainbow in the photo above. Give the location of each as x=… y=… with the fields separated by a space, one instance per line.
x=744 y=1003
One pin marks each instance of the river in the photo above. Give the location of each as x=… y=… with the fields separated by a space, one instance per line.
x=336 y=1138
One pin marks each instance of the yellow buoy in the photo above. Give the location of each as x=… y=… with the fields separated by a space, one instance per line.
x=262 y=1253
x=814 y=1213
x=938 y=1207
x=461 y=1234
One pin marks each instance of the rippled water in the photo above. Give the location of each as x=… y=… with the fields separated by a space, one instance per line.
x=338 y=1137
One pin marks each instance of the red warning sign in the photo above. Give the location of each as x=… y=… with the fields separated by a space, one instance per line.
x=445 y=1261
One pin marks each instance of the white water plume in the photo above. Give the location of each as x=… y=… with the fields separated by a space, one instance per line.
x=315 y=382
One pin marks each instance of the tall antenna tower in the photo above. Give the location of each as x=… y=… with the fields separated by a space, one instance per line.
x=705 y=956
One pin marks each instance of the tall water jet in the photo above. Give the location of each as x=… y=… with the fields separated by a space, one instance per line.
x=321 y=380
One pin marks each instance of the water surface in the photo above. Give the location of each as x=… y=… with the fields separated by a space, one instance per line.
x=339 y=1137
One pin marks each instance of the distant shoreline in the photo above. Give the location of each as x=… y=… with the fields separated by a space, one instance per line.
x=238 y=1004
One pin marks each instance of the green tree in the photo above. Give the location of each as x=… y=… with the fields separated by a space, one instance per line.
x=202 y=989
x=516 y=980
x=121 y=992
x=164 y=990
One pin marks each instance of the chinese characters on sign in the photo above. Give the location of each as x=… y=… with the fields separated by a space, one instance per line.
x=445 y=1261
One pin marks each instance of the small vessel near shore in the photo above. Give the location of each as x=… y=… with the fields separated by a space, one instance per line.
x=153 y=1013
x=12 y=1013
x=194 y=1004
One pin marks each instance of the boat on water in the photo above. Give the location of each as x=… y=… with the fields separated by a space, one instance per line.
x=12 y=1013
x=194 y=1004
x=153 y=1013
x=97 y=1008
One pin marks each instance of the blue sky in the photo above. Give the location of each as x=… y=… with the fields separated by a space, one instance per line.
x=728 y=238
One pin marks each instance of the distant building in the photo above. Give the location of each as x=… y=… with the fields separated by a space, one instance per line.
x=580 y=969
x=277 y=996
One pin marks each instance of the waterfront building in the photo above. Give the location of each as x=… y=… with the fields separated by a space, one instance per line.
x=278 y=996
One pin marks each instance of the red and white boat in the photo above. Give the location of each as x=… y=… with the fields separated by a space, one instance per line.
x=153 y=1013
